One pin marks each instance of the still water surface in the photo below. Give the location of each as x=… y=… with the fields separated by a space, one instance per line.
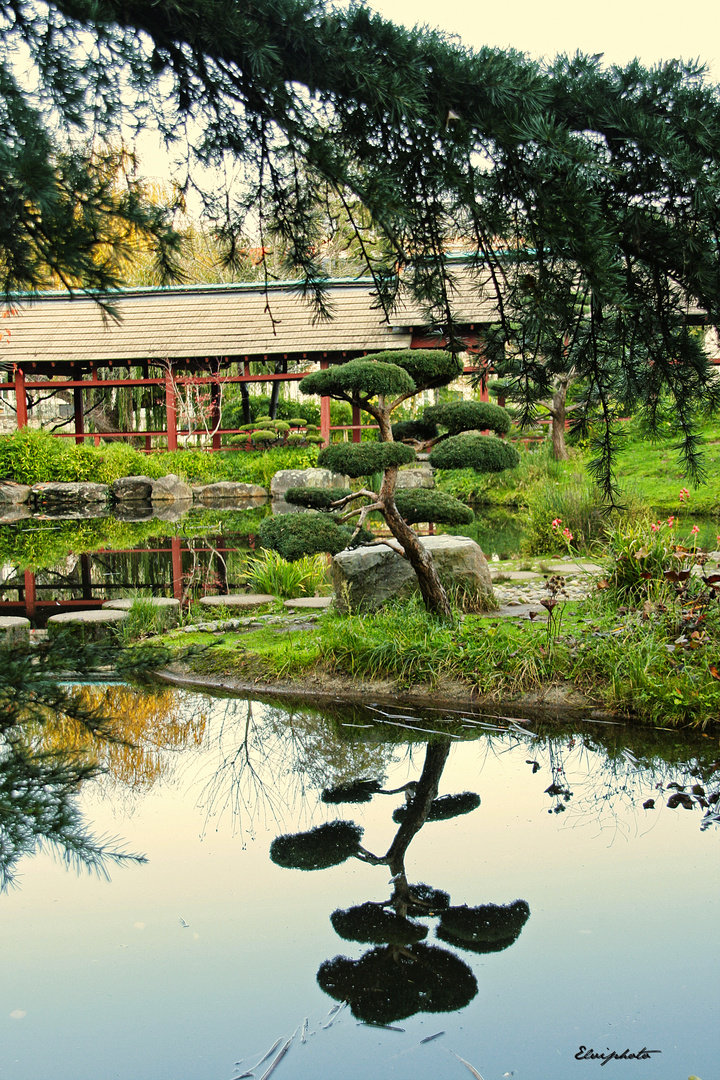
x=193 y=965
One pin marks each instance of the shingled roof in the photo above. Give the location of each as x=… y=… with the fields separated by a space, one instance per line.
x=229 y=321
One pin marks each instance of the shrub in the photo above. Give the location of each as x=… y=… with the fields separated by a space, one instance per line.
x=481 y=452
x=359 y=459
x=577 y=504
x=326 y=845
x=414 y=429
x=295 y=535
x=459 y=416
x=316 y=498
x=423 y=504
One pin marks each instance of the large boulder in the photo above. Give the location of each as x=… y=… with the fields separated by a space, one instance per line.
x=133 y=489
x=171 y=488
x=228 y=491
x=70 y=496
x=13 y=494
x=366 y=578
x=416 y=476
x=311 y=478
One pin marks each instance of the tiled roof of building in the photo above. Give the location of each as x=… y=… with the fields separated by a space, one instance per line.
x=235 y=321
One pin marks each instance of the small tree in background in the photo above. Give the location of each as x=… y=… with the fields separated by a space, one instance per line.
x=379 y=384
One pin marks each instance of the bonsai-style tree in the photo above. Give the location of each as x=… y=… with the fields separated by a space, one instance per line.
x=379 y=384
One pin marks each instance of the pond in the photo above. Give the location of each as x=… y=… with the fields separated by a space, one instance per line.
x=556 y=912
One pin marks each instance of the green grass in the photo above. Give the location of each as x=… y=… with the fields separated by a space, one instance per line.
x=626 y=662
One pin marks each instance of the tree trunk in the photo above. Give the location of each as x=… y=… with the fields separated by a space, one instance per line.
x=558 y=415
x=431 y=588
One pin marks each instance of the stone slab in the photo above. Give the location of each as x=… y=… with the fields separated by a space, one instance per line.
x=14 y=630
x=90 y=624
x=313 y=603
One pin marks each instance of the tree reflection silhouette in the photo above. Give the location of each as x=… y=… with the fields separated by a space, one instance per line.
x=402 y=976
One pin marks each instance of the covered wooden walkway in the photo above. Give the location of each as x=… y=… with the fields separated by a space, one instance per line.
x=206 y=336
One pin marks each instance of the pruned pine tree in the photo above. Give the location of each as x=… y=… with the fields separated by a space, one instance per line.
x=587 y=197
x=379 y=384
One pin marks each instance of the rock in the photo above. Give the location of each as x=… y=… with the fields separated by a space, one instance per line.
x=134 y=511
x=369 y=577
x=13 y=494
x=9 y=513
x=227 y=491
x=312 y=603
x=171 y=488
x=70 y=496
x=171 y=511
x=14 y=630
x=88 y=625
x=422 y=476
x=312 y=478
x=167 y=607
x=133 y=489
x=237 y=601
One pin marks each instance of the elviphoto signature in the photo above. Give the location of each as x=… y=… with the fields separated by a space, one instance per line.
x=584 y=1054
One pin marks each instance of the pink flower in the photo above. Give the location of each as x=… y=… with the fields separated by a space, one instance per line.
x=655 y=527
x=684 y=494
x=695 y=529
x=567 y=534
x=671 y=521
x=556 y=524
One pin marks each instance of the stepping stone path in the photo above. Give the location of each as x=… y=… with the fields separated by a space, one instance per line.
x=237 y=601
x=169 y=607
x=91 y=624
x=14 y=630
x=313 y=603
x=521 y=591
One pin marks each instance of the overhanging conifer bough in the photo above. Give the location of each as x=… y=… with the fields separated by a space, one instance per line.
x=589 y=196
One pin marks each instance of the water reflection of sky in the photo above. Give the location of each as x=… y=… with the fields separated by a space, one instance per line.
x=620 y=949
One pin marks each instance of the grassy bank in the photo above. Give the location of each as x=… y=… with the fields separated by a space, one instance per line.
x=625 y=661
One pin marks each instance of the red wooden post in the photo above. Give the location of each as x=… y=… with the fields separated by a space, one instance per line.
x=20 y=398
x=356 y=434
x=215 y=414
x=79 y=415
x=30 y=594
x=176 y=549
x=325 y=410
x=171 y=412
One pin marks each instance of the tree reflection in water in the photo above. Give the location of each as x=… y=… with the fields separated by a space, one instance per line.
x=402 y=976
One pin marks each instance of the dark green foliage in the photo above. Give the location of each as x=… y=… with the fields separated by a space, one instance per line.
x=459 y=416
x=326 y=845
x=373 y=924
x=358 y=791
x=315 y=498
x=484 y=453
x=427 y=368
x=361 y=459
x=414 y=429
x=601 y=183
x=387 y=984
x=427 y=901
x=359 y=380
x=426 y=504
x=295 y=535
x=444 y=808
x=39 y=787
x=484 y=929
